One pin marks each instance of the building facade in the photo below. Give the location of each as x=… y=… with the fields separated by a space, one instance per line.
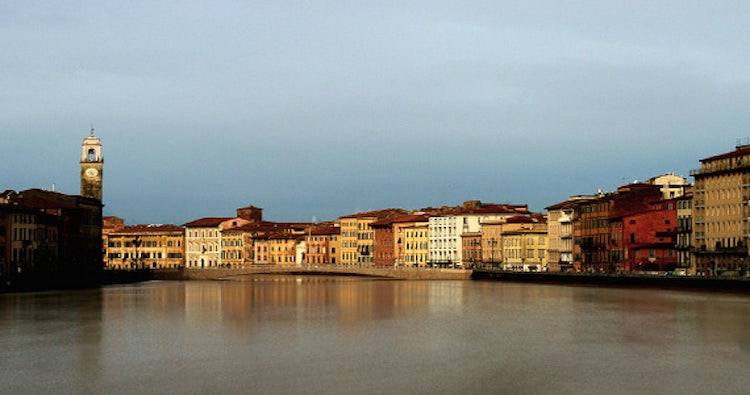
x=524 y=250
x=416 y=244
x=146 y=247
x=447 y=227
x=721 y=211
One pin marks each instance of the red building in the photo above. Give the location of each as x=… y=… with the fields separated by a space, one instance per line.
x=649 y=238
x=383 y=249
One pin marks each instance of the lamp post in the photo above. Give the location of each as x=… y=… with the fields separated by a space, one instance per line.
x=137 y=258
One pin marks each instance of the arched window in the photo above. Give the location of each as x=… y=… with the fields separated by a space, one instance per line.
x=91 y=157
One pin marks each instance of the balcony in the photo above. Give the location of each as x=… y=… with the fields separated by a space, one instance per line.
x=721 y=167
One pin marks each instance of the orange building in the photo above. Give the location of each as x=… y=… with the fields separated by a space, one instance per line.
x=321 y=245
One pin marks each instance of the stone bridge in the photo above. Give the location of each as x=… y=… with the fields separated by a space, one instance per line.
x=401 y=273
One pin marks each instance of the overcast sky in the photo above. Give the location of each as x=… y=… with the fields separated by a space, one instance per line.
x=326 y=108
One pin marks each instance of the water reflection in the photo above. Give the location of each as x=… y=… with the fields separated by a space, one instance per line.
x=287 y=334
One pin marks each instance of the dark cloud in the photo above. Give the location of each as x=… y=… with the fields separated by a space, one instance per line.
x=320 y=108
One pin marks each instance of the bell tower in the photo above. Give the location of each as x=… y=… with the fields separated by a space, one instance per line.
x=91 y=167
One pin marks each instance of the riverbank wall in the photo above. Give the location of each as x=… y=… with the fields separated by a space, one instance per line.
x=700 y=283
x=385 y=273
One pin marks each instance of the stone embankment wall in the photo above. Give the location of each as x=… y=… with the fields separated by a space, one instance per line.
x=390 y=273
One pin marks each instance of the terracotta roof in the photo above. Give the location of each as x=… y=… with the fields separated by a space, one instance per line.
x=37 y=198
x=325 y=230
x=742 y=150
x=150 y=228
x=206 y=222
x=376 y=214
x=388 y=221
x=279 y=236
x=487 y=209
x=520 y=219
x=266 y=226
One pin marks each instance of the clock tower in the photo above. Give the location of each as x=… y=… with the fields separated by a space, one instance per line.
x=91 y=167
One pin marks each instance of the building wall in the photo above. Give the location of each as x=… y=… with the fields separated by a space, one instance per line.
x=282 y=250
x=140 y=247
x=722 y=188
x=203 y=247
x=365 y=241
x=232 y=248
x=262 y=251
x=416 y=245
x=592 y=234
x=383 y=251
x=685 y=233
x=525 y=250
x=472 y=248
x=492 y=242
x=348 y=241
x=649 y=238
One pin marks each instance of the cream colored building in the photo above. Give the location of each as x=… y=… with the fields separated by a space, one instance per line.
x=560 y=219
x=672 y=186
x=203 y=241
x=721 y=208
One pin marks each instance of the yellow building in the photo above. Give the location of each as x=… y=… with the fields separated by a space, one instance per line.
x=525 y=249
x=416 y=243
x=146 y=246
x=348 y=240
x=493 y=231
x=282 y=248
x=358 y=237
x=400 y=225
x=233 y=248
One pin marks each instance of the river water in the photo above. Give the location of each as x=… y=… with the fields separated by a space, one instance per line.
x=344 y=335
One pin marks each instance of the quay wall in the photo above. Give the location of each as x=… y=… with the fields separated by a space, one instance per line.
x=698 y=283
x=387 y=273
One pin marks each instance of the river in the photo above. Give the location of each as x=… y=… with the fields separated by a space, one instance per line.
x=347 y=335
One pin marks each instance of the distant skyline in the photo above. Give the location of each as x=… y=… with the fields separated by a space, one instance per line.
x=319 y=108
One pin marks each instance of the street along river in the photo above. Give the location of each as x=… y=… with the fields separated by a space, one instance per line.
x=316 y=334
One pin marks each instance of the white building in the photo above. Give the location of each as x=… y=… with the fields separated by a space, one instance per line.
x=446 y=227
x=203 y=241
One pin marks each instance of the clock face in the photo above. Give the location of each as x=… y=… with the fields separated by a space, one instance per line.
x=91 y=172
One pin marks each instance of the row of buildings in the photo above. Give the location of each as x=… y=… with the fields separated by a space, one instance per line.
x=662 y=224
x=632 y=229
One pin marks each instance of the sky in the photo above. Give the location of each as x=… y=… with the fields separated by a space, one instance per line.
x=327 y=108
